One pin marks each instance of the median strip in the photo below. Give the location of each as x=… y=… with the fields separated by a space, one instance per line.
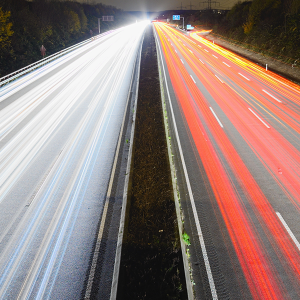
x=151 y=259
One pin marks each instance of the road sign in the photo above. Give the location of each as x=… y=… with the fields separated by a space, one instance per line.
x=107 y=18
x=176 y=17
x=189 y=27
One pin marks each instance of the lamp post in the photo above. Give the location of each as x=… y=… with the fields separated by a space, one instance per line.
x=182 y=22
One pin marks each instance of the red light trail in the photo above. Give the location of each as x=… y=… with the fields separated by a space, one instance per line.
x=259 y=117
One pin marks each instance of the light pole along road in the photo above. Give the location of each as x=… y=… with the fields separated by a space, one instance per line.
x=235 y=130
x=59 y=127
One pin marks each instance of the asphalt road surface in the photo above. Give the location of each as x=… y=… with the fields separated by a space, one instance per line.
x=59 y=127
x=235 y=132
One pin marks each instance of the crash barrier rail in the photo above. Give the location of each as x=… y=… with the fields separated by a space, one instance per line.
x=12 y=76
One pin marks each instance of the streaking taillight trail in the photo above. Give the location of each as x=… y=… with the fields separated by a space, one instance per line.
x=233 y=185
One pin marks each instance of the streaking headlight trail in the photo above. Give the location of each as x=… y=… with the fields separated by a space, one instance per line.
x=59 y=127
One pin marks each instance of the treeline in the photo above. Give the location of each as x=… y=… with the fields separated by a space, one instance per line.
x=268 y=26
x=27 y=25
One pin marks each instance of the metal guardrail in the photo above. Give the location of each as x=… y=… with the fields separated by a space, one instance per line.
x=12 y=76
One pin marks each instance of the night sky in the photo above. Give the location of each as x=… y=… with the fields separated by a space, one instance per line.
x=159 y=5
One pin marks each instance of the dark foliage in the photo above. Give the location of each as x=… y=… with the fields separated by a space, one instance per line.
x=269 y=26
x=54 y=24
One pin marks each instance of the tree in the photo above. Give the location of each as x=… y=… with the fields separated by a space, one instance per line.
x=5 y=29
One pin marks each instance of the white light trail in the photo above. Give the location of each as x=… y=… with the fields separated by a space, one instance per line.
x=92 y=90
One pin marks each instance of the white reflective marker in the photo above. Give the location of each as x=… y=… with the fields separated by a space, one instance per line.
x=215 y=56
x=288 y=230
x=193 y=78
x=244 y=76
x=201 y=60
x=216 y=117
x=219 y=78
x=272 y=96
x=226 y=64
x=181 y=60
x=259 y=118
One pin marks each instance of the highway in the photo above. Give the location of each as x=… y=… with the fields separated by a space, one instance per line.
x=59 y=128
x=235 y=130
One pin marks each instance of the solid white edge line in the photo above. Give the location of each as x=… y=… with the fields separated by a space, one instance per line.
x=244 y=76
x=259 y=118
x=193 y=78
x=174 y=184
x=199 y=231
x=226 y=64
x=219 y=78
x=272 y=96
x=216 y=117
x=288 y=230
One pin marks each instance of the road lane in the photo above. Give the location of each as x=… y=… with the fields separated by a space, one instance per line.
x=248 y=170
x=57 y=145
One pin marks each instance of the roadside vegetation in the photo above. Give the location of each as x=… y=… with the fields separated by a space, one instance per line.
x=27 y=25
x=270 y=27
